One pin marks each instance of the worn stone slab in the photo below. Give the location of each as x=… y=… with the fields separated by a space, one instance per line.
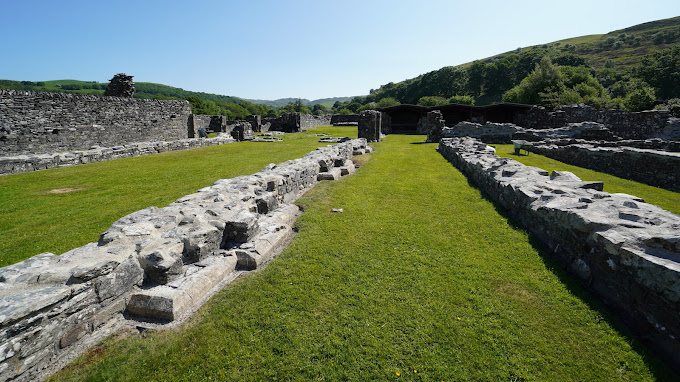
x=331 y=174
x=169 y=303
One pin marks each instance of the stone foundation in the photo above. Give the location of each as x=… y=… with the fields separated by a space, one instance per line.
x=155 y=264
x=26 y=163
x=656 y=168
x=625 y=250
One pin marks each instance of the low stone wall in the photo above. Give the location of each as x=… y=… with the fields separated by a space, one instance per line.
x=39 y=122
x=506 y=132
x=641 y=125
x=345 y=119
x=295 y=122
x=26 y=163
x=656 y=168
x=623 y=249
x=307 y=121
x=154 y=264
x=210 y=123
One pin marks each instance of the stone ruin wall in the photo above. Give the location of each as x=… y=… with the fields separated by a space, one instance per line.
x=623 y=249
x=345 y=119
x=209 y=123
x=591 y=145
x=640 y=125
x=652 y=167
x=34 y=162
x=154 y=264
x=41 y=122
x=295 y=122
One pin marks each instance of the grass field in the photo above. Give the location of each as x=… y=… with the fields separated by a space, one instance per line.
x=420 y=278
x=36 y=218
x=665 y=199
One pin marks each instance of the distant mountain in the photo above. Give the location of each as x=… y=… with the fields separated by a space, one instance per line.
x=328 y=102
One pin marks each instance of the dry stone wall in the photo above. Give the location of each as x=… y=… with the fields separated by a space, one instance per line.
x=295 y=122
x=34 y=162
x=40 y=122
x=209 y=123
x=656 y=168
x=345 y=119
x=154 y=264
x=641 y=125
x=625 y=250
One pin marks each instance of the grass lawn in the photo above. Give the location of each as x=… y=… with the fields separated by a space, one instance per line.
x=663 y=198
x=420 y=278
x=34 y=220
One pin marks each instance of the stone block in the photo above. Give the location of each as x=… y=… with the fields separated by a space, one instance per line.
x=167 y=303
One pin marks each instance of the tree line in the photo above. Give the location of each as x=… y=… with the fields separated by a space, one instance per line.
x=538 y=76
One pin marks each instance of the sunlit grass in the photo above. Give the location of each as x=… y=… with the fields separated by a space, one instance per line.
x=420 y=278
x=33 y=220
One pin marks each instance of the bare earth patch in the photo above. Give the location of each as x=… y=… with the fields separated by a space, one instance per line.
x=63 y=190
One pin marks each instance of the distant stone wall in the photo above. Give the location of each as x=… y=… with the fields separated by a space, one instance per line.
x=294 y=122
x=54 y=307
x=40 y=122
x=625 y=250
x=34 y=162
x=345 y=119
x=308 y=121
x=626 y=125
x=656 y=168
x=210 y=123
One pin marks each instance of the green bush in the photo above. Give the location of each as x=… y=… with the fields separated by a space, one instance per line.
x=462 y=99
x=432 y=101
x=639 y=99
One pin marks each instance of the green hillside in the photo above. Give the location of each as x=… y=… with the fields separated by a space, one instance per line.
x=613 y=70
x=281 y=102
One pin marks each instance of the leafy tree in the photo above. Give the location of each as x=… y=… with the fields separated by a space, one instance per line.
x=640 y=99
x=462 y=100
x=368 y=106
x=552 y=85
x=545 y=78
x=319 y=109
x=662 y=71
x=673 y=105
x=387 y=102
x=431 y=101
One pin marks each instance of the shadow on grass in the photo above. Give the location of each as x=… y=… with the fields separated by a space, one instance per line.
x=424 y=143
x=579 y=289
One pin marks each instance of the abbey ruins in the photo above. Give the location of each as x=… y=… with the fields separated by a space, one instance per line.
x=157 y=265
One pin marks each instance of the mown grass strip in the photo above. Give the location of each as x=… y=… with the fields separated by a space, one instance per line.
x=420 y=278
x=61 y=209
x=668 y=200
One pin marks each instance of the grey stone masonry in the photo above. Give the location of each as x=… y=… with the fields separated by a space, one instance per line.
x=369 y=125
x=344 y=119
x=39 y=122
x=435 y=125
x=623 y=249
x=295 y=122
x=154 y=264
x=34 y=162
x=243 y=131
x=656 y=168
x=640 y=125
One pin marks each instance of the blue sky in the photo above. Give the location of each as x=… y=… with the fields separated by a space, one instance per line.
x=295 y=48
